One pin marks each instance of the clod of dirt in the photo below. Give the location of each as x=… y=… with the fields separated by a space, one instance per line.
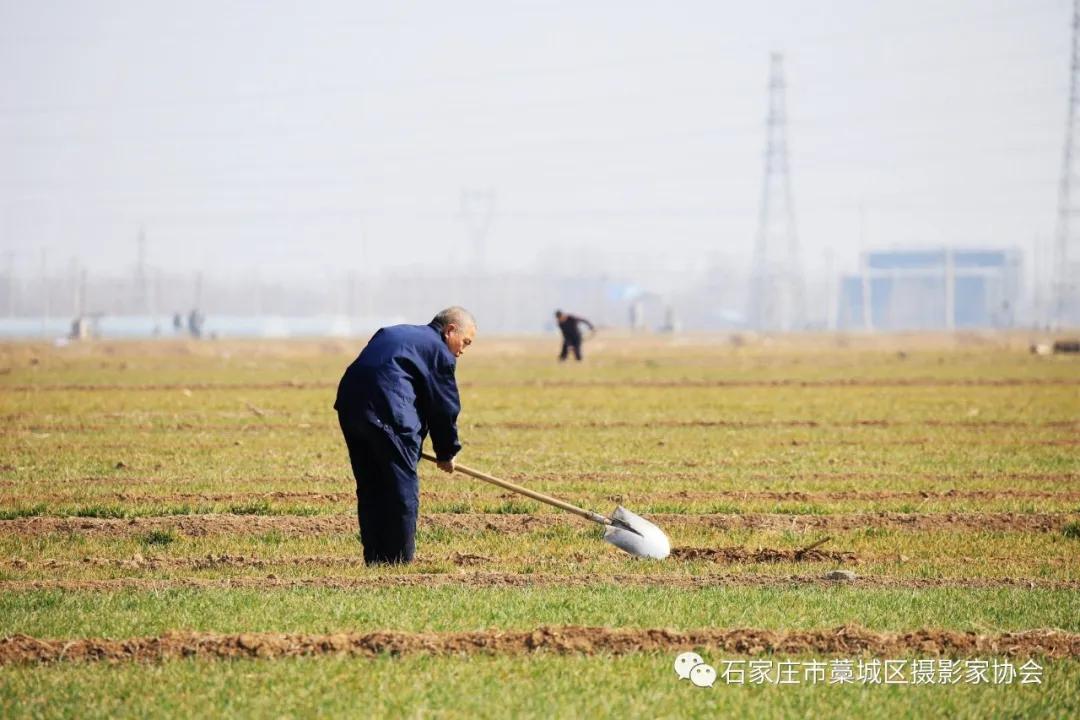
x=841 y=575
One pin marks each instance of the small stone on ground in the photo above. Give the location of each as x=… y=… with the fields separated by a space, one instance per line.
x=840 y=575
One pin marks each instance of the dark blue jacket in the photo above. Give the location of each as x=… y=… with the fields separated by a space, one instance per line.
x=403 y=382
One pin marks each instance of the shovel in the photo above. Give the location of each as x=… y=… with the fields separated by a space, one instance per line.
x=623 y=529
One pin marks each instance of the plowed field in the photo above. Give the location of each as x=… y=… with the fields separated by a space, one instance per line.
x=177 y=527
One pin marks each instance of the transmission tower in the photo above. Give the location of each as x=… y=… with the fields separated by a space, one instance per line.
x=776 y=283
x=1064 y=291
x=10 y=283
x=477 y=210
x=141 y=294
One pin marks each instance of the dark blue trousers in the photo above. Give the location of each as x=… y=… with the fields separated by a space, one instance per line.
x=568 y=345
x=387 y=492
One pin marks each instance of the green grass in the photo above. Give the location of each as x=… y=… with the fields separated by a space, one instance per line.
x=128 y=613
x=512 y=507
x=798 y=509
x=537 y=686
x=100 y=511
x=158 y=537
x=23 y=512
x=253 y=508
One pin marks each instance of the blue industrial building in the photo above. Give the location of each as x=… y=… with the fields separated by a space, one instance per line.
x=942 y=289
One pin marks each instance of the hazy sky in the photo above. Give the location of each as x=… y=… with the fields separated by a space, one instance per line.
x=274 y=136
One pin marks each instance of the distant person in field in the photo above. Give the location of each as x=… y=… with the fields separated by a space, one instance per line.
x=398 y=390
x=570 y=325
x=195 y=323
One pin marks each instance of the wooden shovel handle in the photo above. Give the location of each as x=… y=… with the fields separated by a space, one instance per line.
x=506 y=484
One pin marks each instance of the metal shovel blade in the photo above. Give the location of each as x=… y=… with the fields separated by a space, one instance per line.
x=642 y=539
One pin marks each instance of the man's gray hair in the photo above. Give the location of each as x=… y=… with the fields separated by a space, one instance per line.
x=457 y=315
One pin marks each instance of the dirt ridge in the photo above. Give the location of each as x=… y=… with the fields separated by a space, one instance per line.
x=847 y=640
x=264 y=425
x=540 y=383
x=728 y=555
x=483 y=579
x=438 y=496
x=937 y=479
x=202 y=525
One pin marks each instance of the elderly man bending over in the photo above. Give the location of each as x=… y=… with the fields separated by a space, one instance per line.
x=400 y=388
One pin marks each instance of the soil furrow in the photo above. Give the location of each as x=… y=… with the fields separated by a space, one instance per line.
x=849 y=640
x=177 y=387
x=199 y=525
x=251 y=425
x=669 y=473
x=484 y=579
x=438 y=496
x=723 y=555
x=628 y=382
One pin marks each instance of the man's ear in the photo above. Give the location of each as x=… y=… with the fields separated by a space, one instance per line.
x=450 y=327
